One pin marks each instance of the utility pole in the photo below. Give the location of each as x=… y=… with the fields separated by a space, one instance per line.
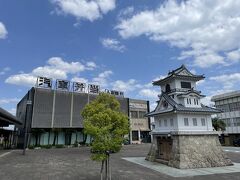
x=29 y=102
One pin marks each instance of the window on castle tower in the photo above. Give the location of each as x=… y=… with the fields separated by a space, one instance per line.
x=171 y=122
x=186 y=122
x=203 y=122
x=186 y=85
x=194 y=122
x=165 y=122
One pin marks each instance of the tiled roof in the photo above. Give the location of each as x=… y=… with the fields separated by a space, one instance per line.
x=175 y=73
x=180 y=108
x=191 y=91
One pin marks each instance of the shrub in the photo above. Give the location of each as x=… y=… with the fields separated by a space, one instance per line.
x=48 y=146
x=31 y=147
x=59 y=146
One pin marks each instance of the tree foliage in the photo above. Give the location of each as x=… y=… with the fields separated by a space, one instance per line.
x=107 y=125
x=218 y=124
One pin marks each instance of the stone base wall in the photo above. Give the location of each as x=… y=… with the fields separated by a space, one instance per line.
x=152 y=153
x=194 y=151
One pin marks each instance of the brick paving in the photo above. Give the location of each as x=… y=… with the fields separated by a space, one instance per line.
x=75 y=163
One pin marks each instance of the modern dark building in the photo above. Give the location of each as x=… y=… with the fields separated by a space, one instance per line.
x=53 y=116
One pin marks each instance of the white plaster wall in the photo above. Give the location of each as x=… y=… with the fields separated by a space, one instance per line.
x=199 y=127
x=192 y=102
x=178 y=83
x=171 y=83
x=164 y=128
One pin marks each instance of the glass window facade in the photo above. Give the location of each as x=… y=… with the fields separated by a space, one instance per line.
x=134 y=114
x=229 y=107
x=142 y=114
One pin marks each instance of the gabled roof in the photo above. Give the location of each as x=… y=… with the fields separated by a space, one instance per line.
x=182 y=73
x=180 y=108
x=191 y=91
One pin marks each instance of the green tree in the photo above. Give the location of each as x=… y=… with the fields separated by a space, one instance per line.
x=107 y=125
x=218 y=124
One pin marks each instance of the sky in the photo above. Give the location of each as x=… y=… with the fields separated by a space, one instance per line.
x=120 y=45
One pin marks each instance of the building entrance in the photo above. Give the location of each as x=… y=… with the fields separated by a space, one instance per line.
x=164 y=148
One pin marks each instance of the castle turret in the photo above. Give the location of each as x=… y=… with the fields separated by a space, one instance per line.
x=183 y=134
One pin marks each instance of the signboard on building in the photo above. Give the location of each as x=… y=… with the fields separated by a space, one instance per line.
x=44 y=82
x=79 y=87
x=63 y=85
x=93 y=89
x=115 y=93
x=138 y=105
x=74 y=86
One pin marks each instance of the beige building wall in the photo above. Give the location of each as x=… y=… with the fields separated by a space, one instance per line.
x=139 y=124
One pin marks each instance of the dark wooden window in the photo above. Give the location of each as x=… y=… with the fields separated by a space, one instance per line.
x=185 y=85
x=168 y=88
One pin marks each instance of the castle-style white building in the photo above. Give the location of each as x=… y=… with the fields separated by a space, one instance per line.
x=183 y=136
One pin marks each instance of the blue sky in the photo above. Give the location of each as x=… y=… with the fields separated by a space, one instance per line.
x=121 y=45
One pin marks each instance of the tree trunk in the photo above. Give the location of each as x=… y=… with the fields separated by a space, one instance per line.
x=102 y=170
x=106 y=169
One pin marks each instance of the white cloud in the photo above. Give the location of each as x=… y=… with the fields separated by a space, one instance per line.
x=149 y=93
x=206 y=31
x=126 y=12
x=159 y=77
x=3 y=31
x=102 y=79
x=55 y=68
x=228 y=81
x=112 y=44
x=4 y=70
x=84 y=9
x=201 y=82
x=207 y=101
x=78 y=79
x=9 y=100
x=22 y=79
x=125 y=86
x=91 y=65
x=234 y=55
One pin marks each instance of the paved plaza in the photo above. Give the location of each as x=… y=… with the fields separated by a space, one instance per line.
x=75 y=163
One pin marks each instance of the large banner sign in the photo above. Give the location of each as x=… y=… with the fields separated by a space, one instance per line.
x=65 y=85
